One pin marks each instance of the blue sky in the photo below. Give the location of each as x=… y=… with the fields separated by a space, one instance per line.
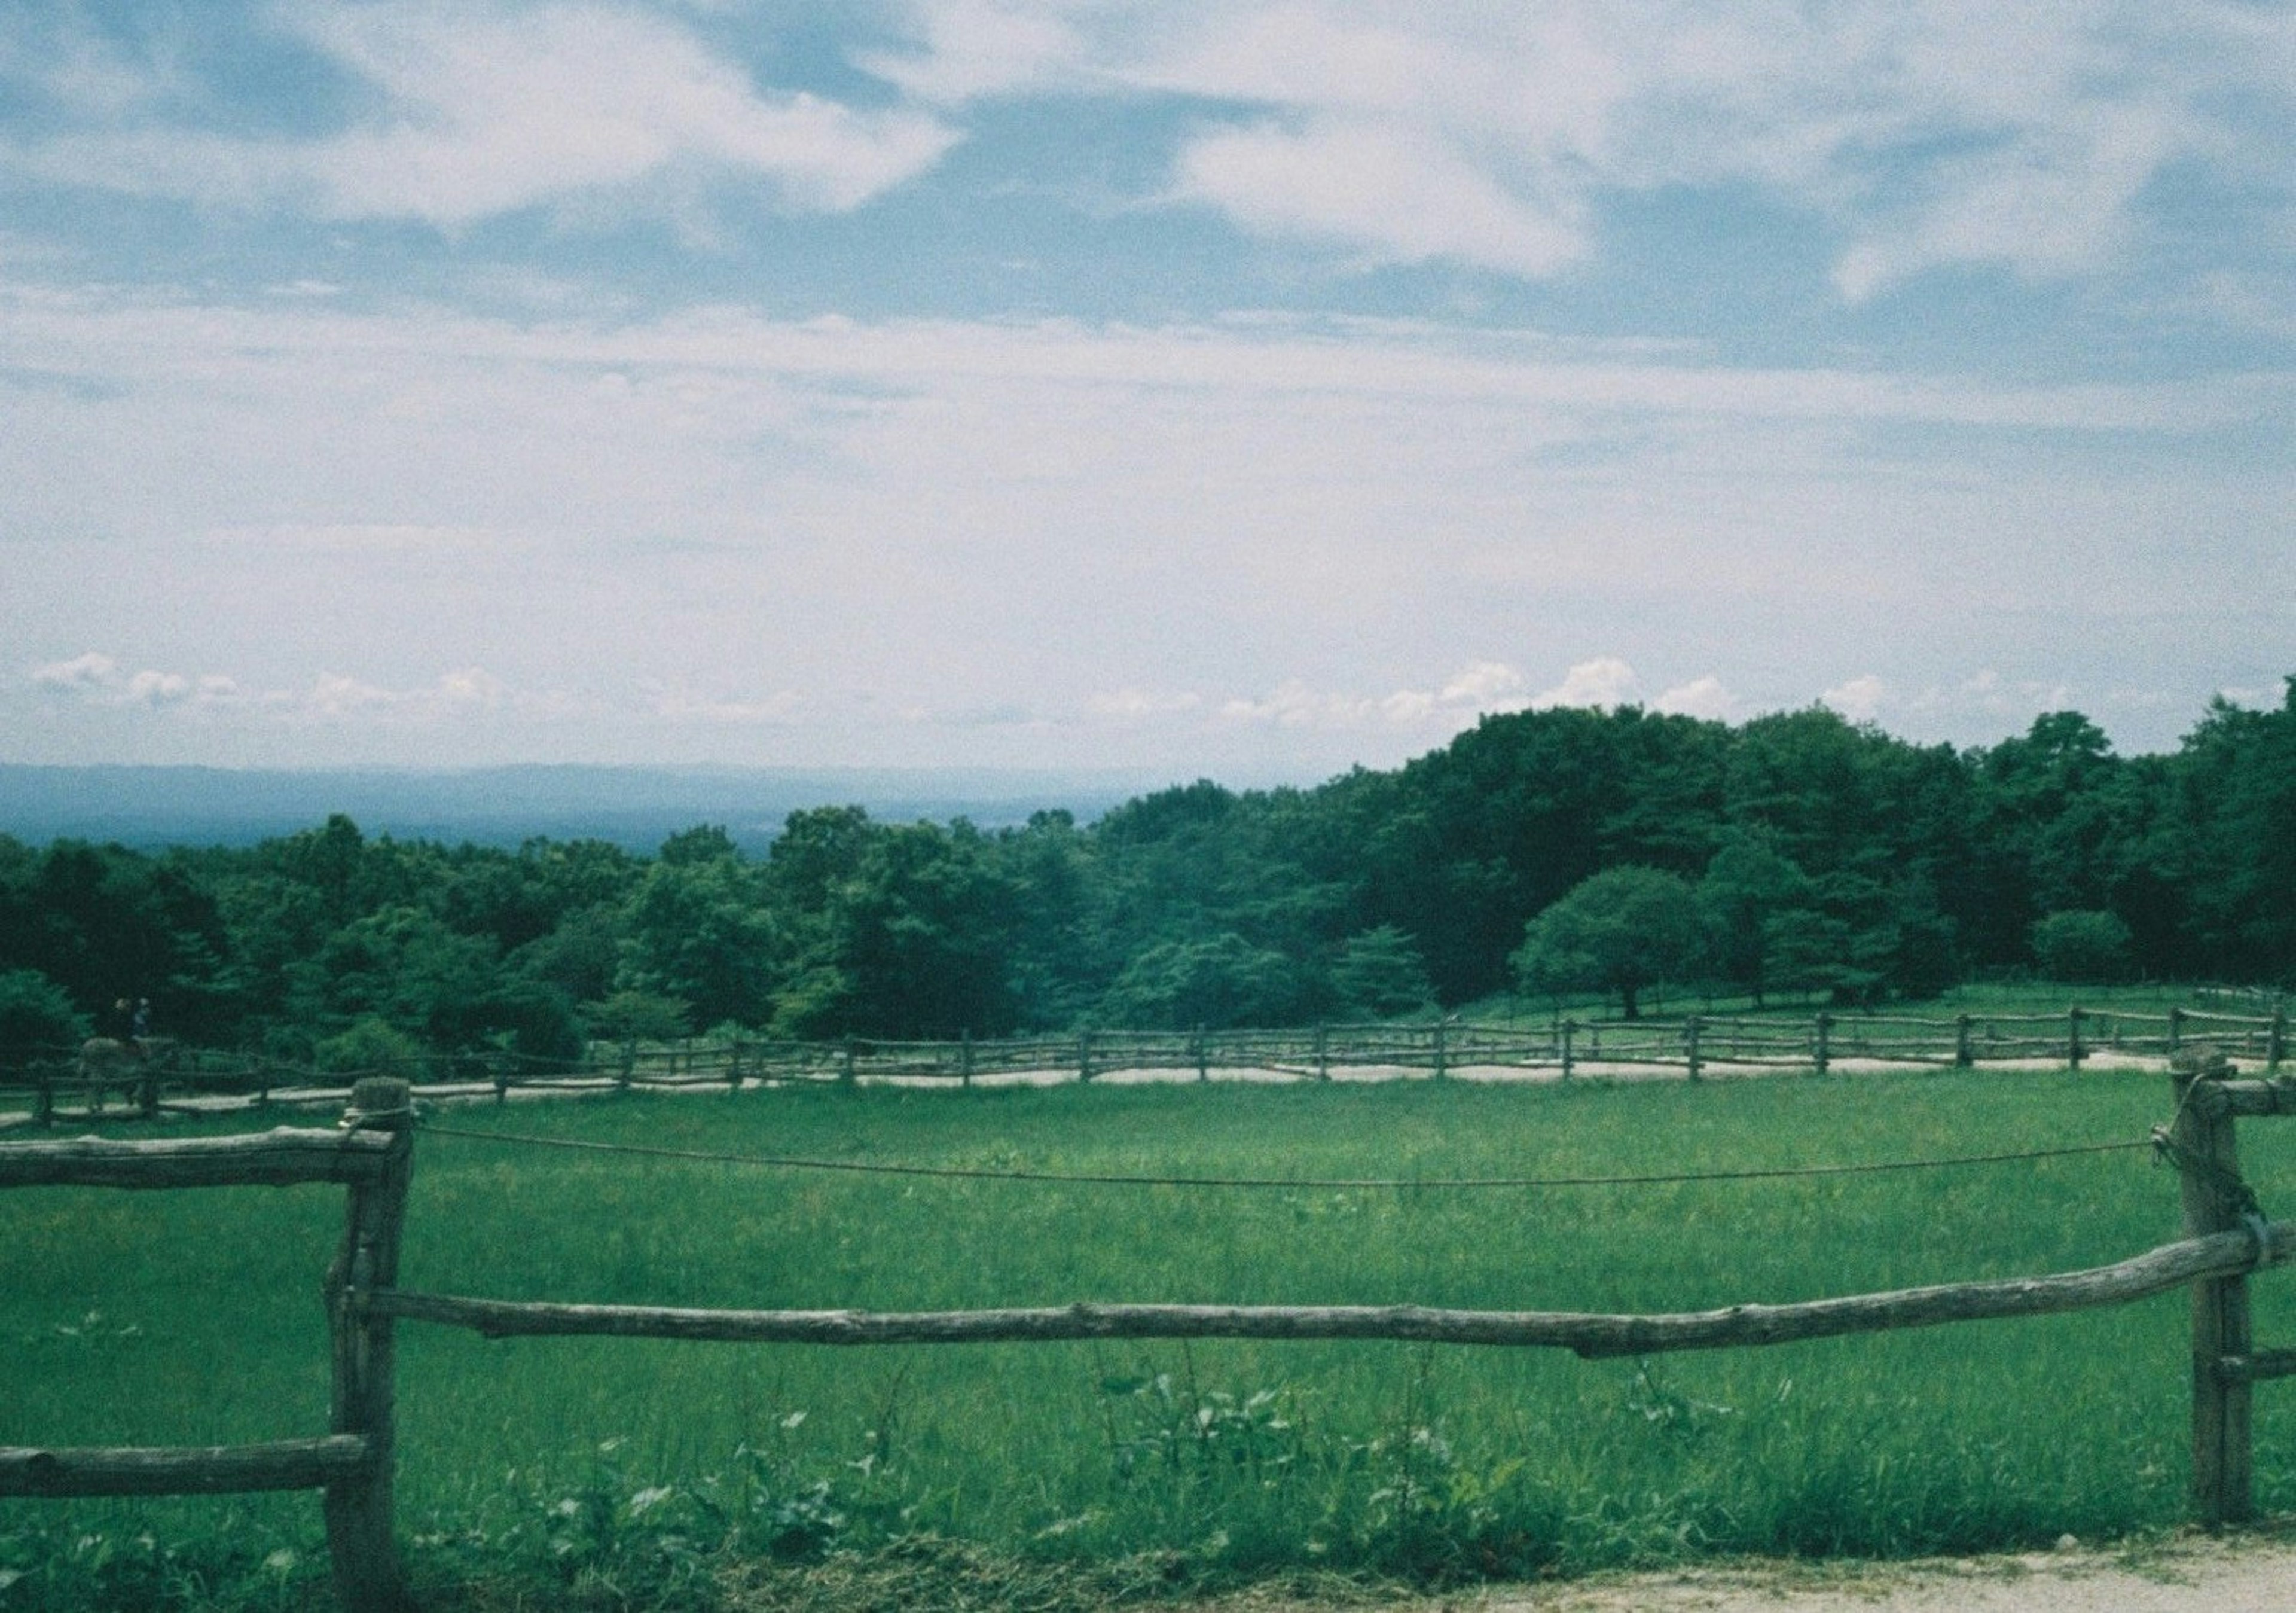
x=1245 y=389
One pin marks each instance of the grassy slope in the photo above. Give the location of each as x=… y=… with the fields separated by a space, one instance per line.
x=1386 y=1454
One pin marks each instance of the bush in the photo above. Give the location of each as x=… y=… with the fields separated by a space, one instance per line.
x=371 y=1047
x=36 y=1018
x=2083 y=947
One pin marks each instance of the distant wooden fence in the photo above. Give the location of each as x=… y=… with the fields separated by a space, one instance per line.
x=1696 y=1045
x=353 y=1465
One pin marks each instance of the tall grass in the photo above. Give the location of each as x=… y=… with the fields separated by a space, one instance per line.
x=194 y=1316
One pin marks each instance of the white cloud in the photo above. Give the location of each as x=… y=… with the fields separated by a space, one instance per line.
x=1486 y=683
x=1604 y=682
x=486 y=109
x=989 y=516
x=1293 y=704
x=972 y=48
x=1486 y=686
x=157 y=688
x=82 y=674
x=1131 y=704
x=680 y=704
x=98 y=678
x=1388 y=191
x=1702 y=697
x=1860 y=700
x=464 y=693
x=2259 y=696
x=1924 y=132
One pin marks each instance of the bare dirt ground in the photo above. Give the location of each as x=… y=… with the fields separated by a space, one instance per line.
x=2254 y=1572
x=2250 y=1574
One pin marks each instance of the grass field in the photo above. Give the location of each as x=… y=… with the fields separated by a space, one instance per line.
x=194 y=1318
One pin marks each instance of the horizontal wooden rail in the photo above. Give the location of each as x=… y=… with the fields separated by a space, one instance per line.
x=2273 y=1097
x=283 y=1464
x=281 y=1157
x=1588 y=1334
x=2259 y=1366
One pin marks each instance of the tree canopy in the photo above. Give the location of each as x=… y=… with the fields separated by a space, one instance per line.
x=1548 y=849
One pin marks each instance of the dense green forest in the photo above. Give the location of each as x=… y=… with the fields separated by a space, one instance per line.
x=1546 y=851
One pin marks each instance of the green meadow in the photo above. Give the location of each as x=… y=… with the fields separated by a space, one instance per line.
x=638 y=1470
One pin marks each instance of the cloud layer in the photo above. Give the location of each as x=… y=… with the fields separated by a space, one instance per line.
x=1919 y=133
x=1269 y=386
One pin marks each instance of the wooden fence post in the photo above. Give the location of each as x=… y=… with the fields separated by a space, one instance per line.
x=1323 y=1053
x=1963 y=1055
x=44 y=1096
x=2209 y=1167
x=1570 y=1029
x=368 y=1578
x=1442 y=1057
x=2275 y=1045
x=2074 y=1052
x=964 y=1057
x=1823 y=1050
x=1690 y=1026
x=2175 y=1031
x=1203 y=1058
x=849 y=1075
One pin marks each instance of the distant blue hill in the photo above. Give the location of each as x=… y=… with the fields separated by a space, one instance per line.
x=150 y=807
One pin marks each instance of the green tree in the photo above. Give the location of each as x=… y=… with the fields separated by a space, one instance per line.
x=699 y=931
x=1746 y=888
x=634 y=1016
x=912 y=943
x=1380 y=973
x=1219 y=981
x=2084 y=947
x=1622 y=930
x=37 y=1019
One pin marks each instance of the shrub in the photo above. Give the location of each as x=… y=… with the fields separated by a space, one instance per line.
x=36 y=1017
x=2082 y=946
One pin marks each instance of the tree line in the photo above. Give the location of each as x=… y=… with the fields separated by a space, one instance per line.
x=1550 y=851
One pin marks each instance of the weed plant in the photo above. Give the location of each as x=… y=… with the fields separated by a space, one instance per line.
x=625 y=1473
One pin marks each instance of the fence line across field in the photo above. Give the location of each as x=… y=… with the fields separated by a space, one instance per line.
x=371 y=1155
x=859 y=1168
x=1695 y=1045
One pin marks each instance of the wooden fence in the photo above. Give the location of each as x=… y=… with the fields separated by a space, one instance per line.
x=371 y=1154
x=1696 y=1046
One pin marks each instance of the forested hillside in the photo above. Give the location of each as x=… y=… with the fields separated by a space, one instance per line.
x=1562 y=849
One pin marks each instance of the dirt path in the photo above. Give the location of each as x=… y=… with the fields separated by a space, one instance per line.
x=2193 y=1576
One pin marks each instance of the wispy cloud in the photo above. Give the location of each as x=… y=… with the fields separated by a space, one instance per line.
x=331 y=698
x=679 y=702
x=1385 y=192
x=1926 y=133
x=472 y=112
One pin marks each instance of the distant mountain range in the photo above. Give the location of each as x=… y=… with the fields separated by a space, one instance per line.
x=636 y=807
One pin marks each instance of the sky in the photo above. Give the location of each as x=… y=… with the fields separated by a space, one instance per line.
x=1240 y=389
